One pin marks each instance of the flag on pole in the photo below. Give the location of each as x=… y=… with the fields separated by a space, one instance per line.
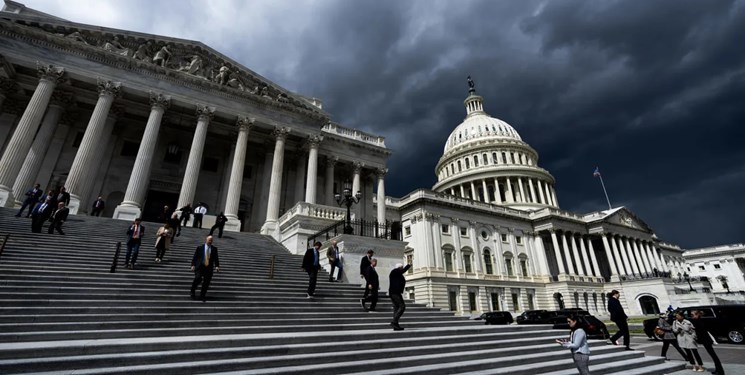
x=596 y=173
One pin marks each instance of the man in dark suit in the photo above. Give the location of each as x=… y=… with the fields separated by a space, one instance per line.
x=134 y=238
x=185 y=214
x=58 y=218
x=41 y=214
x=396 y=291
x=98 y=206
x=334 y=257
x=32 y=198
x=311 y=265
x=175 y=223
x=63 y=196
x=364 y=265
x=373 y=284
x=618 y=316
x=204 y=262
x=220 y=221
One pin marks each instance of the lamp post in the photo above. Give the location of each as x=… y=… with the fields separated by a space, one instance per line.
x=348 y=199
x=688 y=278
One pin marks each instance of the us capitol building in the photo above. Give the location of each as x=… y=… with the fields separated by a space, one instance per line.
x=146 y=121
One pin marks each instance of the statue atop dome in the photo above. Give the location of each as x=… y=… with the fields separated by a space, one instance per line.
x=471 y=89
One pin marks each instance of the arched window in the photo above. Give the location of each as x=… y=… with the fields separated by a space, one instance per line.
x=485 y=158
x=523 y=265
x=494 y=158
x=447 y=252
x=475 y=160
x=467 y=261
x=508 y=264
x=488 y=262
x=468 y=164
x=649 y=305
x=459 y=167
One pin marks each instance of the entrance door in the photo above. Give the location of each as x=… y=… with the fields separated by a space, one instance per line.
x=155 y=202
x=649 y=305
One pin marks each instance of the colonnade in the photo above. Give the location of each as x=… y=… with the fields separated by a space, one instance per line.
x=25 y=151
x=514 y=190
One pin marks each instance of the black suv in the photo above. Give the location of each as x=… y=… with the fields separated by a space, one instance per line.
x=531 y=317
x=723 y=321
x=594 y=328
x=496 y=317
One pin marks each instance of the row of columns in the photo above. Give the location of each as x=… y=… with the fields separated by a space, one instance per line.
x=515 y=189
x=476 y=160
x=584 y=265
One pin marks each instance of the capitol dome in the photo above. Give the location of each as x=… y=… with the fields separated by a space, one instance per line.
x=486 y=160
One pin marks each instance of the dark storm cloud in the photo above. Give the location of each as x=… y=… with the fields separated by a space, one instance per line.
x=652 y=92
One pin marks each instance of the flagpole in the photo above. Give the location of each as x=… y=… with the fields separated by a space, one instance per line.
x=604 y=191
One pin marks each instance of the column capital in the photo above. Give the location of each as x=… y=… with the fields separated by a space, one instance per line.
x=63 y=99
x=159 y=101
x=117 y=111
x=280 y=133
x=106 y=87
x=331 y=161
x=381 y=172
x=54 y=74
x=205 y=112
x=357 y=165
x=244 y=123
x=314 y=140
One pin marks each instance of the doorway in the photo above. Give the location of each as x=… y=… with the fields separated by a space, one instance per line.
x=649 y=305
x=155 y=202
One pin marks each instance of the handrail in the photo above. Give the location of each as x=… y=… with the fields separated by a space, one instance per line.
x=116 y=257
x=271 y=266
x=2 y=247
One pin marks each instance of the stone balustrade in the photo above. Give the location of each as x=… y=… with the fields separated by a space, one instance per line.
x=355 y=134
x=318 y=211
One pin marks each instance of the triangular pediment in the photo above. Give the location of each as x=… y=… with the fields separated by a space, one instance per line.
x=620 y=216
x=189 y=60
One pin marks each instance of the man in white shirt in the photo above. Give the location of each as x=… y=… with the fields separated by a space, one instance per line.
x=199 y=213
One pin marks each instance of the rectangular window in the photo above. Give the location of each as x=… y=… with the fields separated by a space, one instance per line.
x=410 y=260
x=129 y=148
x=410 y=293
x=717 y=267
x=531 y=303
x=504 y=238
x=449 y=261
x=702 y=268
x=407 y=231
x=445 y=228
x=467 y=262
x=452 y=300
x=515 y=301
x=463 y=231
x=524 y=267
x=518 y=240
x=472 y=301
x=508 y=263
x=495 y=303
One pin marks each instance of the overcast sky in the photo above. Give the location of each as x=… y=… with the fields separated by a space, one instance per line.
x=652 y=92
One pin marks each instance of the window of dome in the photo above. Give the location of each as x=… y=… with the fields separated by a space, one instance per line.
x=504 y=157
x=494 y=157
x=459 y=167
x=486 y=159
x=476 y=161
x=484 y=235
x=468 y=164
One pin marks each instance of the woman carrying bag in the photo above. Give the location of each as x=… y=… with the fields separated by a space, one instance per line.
x=577 y=343
x=687 y=340
x=665 y=330
x=163 y=241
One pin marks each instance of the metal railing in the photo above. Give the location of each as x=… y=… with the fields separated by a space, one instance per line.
x=363 y=228
x=116 y=257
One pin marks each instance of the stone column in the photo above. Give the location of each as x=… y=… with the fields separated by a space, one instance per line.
x=30 y=169
x=623 y=259
x=134 y=197
x=593 y=258
x=78 y=184
x=356 y=177
x=191 y=174
x=575 y=252
x=640 y=255
x=626 y=250
x=462 y=191
x=557 y=252
x=540 y=192
x=92 y=174
x=522 y=190
x=568 y=255
x=533 y=198
x=652 y=259
x=486 y=191
x=314 y=142
x=474 y=192
x=330 y=164
x=381 y=195
x=548 y=194
x=271 y=226
x=497 y=193
x=302 y=163
x=22 y=138
x=235 y=185
x=613 y=269
x=553 y=196
x=508 y=191
x=658 y=254
x=583 y=252
x=540 y=253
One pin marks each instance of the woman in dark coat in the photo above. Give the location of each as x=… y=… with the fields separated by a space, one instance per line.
x=703 y=338
x=618 y=316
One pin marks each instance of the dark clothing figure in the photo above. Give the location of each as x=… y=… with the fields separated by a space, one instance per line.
x=220 y=221
x=618 y=316
x=134 y=239
x=204 y=263
x=32 y=198
x=175 y=224
x=334 y=258
x=395 y=292
x=373 y=285
x=166 y=216
x=668 y=338
x=40 y=215
x=364 y=265
x=311 y=265
x=63 y=196
x=58 y=218
x=98 y=206
x=703 y=339
x=185 y=214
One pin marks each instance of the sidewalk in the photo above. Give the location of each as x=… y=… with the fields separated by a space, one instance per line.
x=729 y=369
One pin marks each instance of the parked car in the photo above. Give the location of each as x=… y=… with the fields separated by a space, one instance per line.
x=496 y=317
x=559 y=316
x=724 y=321
x=594 y=328
x=531 y=317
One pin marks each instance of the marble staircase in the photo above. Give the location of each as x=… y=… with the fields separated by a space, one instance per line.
x=62 y=312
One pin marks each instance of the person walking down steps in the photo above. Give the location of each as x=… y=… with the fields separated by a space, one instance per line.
x=311 y=265
x=395 y=292
x=203 y=264
x=577 y=344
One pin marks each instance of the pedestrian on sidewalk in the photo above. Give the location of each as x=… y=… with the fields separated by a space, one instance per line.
x=577 y=344
x=220 y=221
x=395 y=292
x=163 y=241
x=199 y=212
x=204 y=263
x=134 y=239
x=373 y=284
x=687 y=340
x=334 y=257
x=668 y=337
x=311 y=265
x=364 y=265
x=618 y=316
x=705 y=339
x=41 y=214
x=32 y=198
x=59 y=216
